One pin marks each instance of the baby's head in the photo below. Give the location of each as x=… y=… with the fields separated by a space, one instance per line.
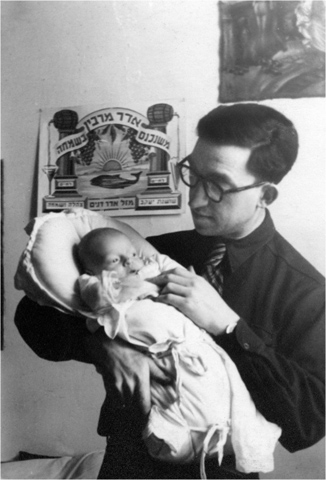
x=108 y=249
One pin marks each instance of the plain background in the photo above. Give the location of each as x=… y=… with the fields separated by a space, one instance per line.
x=67 y=53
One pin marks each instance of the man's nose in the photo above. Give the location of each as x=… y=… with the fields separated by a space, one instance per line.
x=197 y=196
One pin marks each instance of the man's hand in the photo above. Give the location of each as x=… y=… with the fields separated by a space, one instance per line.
x=196 y=299
x=126 y=371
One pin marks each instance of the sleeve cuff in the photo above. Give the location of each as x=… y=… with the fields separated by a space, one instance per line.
x=230 y=328
x=247 y=338
x=240 y=335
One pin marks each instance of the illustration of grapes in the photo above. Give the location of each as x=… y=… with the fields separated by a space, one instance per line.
x=137 y=149
x=87 y=151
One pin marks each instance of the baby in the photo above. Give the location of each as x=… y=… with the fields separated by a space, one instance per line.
x=109 y=249
x=114 y=272
x=212 y=411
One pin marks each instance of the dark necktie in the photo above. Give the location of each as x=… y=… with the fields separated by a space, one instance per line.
x=212 y=267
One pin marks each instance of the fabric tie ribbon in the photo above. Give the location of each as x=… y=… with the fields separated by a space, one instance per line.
x=212 y=267
x=222 y=433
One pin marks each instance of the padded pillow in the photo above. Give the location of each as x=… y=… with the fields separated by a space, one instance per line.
x=48 y=267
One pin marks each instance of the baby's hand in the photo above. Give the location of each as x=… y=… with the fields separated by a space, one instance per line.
x=133 y=287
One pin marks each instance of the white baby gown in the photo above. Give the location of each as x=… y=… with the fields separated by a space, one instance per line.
x=210 y=410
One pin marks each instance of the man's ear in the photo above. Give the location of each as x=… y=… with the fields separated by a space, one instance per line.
x=268 y=195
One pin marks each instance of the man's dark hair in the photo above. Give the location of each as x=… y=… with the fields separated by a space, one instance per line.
x=269 y=135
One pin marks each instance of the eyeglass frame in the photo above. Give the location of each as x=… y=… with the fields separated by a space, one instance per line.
x=204 y=182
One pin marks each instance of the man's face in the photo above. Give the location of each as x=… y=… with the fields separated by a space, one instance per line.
x=238 y=214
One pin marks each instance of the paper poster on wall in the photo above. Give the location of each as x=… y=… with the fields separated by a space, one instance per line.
x=119 y=160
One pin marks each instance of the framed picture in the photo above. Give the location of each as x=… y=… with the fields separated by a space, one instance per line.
x=271 y=49
x=120 y=160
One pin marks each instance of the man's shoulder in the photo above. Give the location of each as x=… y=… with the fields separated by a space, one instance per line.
x=177 y=245
x=294 y=260
x=177 y=236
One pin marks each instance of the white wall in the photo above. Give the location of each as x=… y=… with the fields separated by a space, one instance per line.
x=60 y=54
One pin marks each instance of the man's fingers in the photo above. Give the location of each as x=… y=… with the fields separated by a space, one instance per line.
x=175 y=288
x=177 y=275
x=117 y=394
x=170 y=299
x=142 y=394
x=161 y=370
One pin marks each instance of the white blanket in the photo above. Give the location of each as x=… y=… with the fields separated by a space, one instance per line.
x=212 y=411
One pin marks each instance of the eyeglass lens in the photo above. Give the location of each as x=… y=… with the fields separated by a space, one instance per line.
x=212 y=190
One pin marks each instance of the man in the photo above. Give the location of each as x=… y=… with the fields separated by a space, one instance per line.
x=268 y=315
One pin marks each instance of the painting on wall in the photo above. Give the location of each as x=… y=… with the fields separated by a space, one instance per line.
x=271 y=49
x=118 y=160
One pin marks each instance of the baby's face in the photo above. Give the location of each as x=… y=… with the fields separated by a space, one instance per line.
x=120 y=256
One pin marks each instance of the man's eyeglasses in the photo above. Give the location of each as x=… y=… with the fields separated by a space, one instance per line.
x=213 y=191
